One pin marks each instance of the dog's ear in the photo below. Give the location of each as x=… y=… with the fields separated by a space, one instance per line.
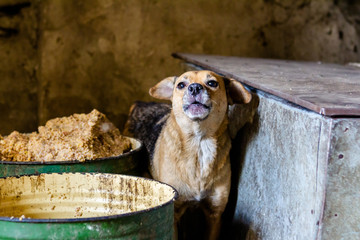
x=164 y=89
x=237 y=92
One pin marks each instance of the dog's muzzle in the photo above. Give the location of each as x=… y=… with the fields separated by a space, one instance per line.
x=196 y=102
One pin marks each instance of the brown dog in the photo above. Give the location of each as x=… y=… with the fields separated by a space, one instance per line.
x=189 y=142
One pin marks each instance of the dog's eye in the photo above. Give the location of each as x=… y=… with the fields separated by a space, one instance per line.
x=212 y=83
x=181 y=85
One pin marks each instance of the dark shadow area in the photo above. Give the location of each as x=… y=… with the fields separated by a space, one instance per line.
x=237 y=154
x=232 y=230
x=192 y=225
x=13 y=9
x=10 y=11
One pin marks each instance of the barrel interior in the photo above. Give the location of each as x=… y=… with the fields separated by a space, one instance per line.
x=78 y=195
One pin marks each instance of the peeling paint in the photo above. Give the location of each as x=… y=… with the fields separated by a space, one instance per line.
x=88 y=205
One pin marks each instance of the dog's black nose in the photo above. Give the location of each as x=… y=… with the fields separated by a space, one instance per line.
x=195 y=88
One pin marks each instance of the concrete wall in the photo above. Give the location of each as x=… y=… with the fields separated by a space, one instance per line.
x=72 y=56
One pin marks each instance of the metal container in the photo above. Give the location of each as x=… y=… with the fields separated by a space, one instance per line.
x=85 y=206
x=127 y=163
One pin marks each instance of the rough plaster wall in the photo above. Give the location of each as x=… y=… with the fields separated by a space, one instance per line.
x=106 y=54
x=311 y=30
x=18 y=54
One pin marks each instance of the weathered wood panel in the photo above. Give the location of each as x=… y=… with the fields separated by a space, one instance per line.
x=342 y=208
x=328 y=89
x=281 y=187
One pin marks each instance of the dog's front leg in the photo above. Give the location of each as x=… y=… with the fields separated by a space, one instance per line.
x=213 y=219
x=213 y=210
x=215 y=206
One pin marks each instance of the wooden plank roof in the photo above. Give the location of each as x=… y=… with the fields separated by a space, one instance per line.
x=328 y=89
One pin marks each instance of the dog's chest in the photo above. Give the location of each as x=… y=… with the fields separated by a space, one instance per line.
x=206 y=156
x=205 y=151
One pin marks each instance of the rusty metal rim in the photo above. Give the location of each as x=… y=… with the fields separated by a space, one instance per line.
x=77 y=161
x=91 y=219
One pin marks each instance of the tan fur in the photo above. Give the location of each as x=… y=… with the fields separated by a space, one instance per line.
x=193 y=155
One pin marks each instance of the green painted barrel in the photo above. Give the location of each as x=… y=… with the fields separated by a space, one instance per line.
x=127 y=163
x=85 y=206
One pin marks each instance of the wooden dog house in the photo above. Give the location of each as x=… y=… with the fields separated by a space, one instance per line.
x=299 y=164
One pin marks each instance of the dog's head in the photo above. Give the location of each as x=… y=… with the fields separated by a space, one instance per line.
x=200 y=95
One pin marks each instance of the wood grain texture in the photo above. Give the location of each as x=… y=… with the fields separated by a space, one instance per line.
x=279 y=164
x=328 y=89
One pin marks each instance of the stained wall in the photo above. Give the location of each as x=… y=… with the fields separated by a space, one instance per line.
x=62 y=57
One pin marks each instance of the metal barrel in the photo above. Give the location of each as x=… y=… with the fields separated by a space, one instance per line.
x=127 y=163
x=85 y=206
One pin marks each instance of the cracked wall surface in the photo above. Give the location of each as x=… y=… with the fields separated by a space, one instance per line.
x=18 y=65
x=64 y=57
